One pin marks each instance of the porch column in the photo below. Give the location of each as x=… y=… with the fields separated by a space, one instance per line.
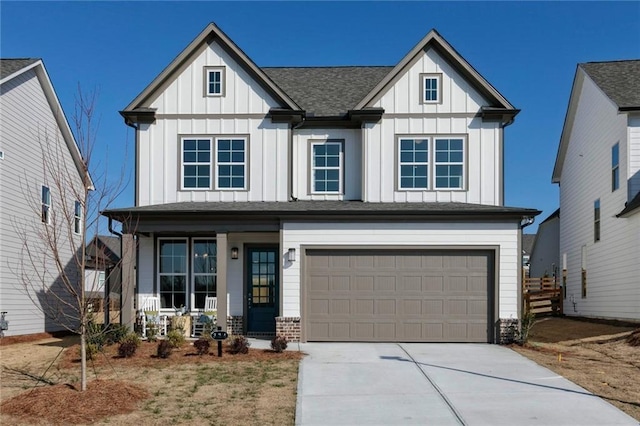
x=221 y=258
x=128 y=283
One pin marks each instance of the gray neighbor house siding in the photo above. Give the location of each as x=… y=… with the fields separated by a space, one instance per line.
x=30 y=118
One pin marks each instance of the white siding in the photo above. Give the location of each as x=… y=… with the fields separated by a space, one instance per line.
x=352 y=175
x=545 y=254
x=145 y=269
x=26 y=121
x=613 y=270
x=455 y=115
x=634 y=155
x=503 y=235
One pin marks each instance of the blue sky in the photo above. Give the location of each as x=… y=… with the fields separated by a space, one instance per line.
x=527 y=50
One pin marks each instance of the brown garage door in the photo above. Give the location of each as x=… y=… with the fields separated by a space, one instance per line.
x=397 y=296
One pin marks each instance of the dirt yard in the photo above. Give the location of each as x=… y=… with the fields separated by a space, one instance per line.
x=595 y=356
x=255 y=388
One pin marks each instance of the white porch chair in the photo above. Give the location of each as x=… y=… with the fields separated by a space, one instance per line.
x=151 y=316
x=207 y=316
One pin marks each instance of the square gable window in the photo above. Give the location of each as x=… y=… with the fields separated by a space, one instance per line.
x=430 y=88
x=214 y=79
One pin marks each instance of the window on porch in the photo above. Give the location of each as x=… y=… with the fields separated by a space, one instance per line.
x=204 y=271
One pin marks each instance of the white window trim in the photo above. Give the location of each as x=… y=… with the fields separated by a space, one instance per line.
x=45 y=204
x=433 y=76
x=615 y=168
x=340 y=167
x=245 y=163
x=159 y=274
x=77 y=218
x=192 y=286
x=182 y=163
x=463 y=178
x=400 y=163
x=207 y=71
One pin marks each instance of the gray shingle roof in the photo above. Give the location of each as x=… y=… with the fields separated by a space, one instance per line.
x=620 y=81
x=631 y=206
x=9 y=66
x=322 y=207
x=327 y=91
x=527 y=242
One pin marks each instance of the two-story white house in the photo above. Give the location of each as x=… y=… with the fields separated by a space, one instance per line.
x=598 y=171
x=327 y=203
x=40 y=216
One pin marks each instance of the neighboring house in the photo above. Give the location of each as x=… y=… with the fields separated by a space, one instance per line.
x=103 y=273
x=598 y=171
x=545 y=257
x=35 y=135
x=329 y=203
x=527 y=244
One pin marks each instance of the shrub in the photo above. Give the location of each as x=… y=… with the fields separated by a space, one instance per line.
x=175 y=338
x=202 y=346
x=95 y=335
x=128 y=345
x=238 y=345
x=92 y=350
x=279 y=343
x=164 y=349
x=115 y=333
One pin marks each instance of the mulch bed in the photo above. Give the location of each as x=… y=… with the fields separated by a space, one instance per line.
x=65 y=404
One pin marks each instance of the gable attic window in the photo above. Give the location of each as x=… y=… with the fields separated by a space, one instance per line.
x=327 y=167
x=431 y=88
x=615 y=167
x=46 y=204
x=596 y=221
x=231 y=163
x=214 y=81
x=196 y=163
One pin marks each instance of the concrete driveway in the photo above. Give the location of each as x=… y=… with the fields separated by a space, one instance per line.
x=439 y=384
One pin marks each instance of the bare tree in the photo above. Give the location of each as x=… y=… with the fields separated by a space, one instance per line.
x=53 y=259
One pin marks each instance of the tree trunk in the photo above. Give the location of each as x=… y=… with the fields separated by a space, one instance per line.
x=83 y=355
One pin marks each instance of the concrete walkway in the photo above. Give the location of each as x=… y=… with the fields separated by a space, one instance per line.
x=439 y=384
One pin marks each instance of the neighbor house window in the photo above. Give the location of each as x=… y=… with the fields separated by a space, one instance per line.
x=231 y=163
x=46 y=205
x=172 y=272
x=327 y=167
x=214 y=81
x=431 y=88
x=77 y=217
x=596 y=221
x=449 y=163
x=583 y=277
x=615 y=167
x=196 y=163
x=414 y=163
x=204 y=270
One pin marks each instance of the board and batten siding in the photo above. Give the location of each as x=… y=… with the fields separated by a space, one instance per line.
x=612 y=266
x=423 y=235
x=26 y=121
x=183 y=110
x=352 y=163
x=406 y=115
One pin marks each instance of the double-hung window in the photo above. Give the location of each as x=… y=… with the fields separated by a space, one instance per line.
x=231 y=163
x=431 y=163
x=172 y=272
x=615 y=167
x=77 y=217
x=431 y=88
x=204 y=270
x=196 y=163
x=46 y=204
x=414 y=163
x=214 y=81
x=327 y=167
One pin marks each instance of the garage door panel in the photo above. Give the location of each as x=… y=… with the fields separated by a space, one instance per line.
x=385 y=295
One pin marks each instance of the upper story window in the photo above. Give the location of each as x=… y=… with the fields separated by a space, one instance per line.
x=46 y=204
x=431 y=88
x=77 y=217
x=615 y=167
x=419 y=169
x=196 y=163
x=214 y=81
x=231 y=163
x=327 y=167
x=596 y=220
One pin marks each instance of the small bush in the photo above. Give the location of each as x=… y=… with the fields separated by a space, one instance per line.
x=92 y=350
x=128 y=345
x=238 y=345
x=95 y=335
x=202 y=346
x=115 y=333
x=175 y=338
x=279 y=343
x=164 y=349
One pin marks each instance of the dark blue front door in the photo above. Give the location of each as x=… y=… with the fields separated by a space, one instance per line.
x=262 y=289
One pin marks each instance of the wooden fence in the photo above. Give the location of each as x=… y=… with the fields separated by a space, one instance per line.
x=542 y=296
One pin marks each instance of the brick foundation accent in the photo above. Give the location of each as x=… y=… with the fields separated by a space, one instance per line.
x=506 y=329
x=288 y=327
x=235 y=325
